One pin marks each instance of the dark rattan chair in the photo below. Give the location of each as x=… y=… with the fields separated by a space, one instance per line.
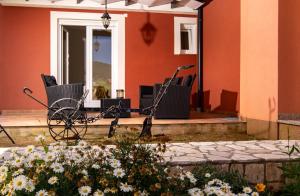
x=175 y=104
x=56 y=92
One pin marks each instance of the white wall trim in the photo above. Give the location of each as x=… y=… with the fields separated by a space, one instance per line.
x=92 y=5
x=178 y=21
x=93 y=20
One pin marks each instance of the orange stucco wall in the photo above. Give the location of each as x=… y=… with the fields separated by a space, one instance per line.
x=289 y=56
x=259 y=58
x=151 y=64
x=259 y=66
x=27 y=54
x=222 y=48
x=1 y=51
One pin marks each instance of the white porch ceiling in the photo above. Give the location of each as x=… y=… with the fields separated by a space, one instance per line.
x=175 y=6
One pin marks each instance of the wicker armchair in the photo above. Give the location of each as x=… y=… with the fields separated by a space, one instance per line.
x=175 y=104
x=55 y=92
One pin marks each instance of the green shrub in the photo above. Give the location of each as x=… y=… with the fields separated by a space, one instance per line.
x=236 y=181
x=291 y=172
x=128 y=168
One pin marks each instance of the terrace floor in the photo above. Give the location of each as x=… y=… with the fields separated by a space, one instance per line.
x=38 y=118
x=23 y=126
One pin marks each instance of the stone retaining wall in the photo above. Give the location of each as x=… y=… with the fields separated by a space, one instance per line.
x=265 y=172
x=257 y=172
x=289 y=129
x=257 y=161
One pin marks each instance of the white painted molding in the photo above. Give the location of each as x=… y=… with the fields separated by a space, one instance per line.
x=87 y=18
x=140 y=6
x=178 y=21
x=90 y=20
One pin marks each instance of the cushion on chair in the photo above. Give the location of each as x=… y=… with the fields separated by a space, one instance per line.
x=187 y=81
x=50 y=81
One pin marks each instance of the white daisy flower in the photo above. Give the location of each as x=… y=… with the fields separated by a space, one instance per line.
x=35 y=156
x=247 y=190
x=30 y=186
x=193 y=180
x=39 y=138
x=29 y=149
x=115 y=163
x=84 y=190
x=181 y=177
x=57 y=167
x=5 y=189
x=53 y=180
x=3 y=177
x=19 y=182
x=96 y=148
x=125 y=187
x=18 y=161
x=255 y=194
x=50 y=157
x=82 y=144
x=18 y=172
x=166 y=170
x=3 y=169
x=96 y=166
x=195 y=192
x=119 y=172
x=84 y=172
x=243 y=194
x=144 y=193
x=98 y=193
x=42 y=193
x=189 y=174
x=207 y=175
x=191 y=177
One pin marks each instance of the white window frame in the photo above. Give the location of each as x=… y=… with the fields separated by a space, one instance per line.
x=189 y=24
x=91 y=19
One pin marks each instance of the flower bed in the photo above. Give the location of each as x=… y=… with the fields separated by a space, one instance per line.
x=124 y=169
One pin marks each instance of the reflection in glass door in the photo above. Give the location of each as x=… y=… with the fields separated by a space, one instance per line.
x=101 y=64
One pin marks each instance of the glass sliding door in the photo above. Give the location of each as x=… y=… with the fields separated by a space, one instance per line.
x=65 y=55
x=90 y=54
x=73 y=54
x=101 y=64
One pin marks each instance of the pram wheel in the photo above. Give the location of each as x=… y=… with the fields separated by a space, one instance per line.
x=67 y=121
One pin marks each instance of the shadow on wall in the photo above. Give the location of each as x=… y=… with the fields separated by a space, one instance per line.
x=272 y=110
x=228 y=102
x=148 y=31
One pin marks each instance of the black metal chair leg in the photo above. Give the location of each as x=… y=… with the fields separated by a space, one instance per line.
x=113 y=127
x=147 y=125
x=3 y=130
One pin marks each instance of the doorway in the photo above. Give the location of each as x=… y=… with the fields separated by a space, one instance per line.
x=73 y=54
x=87 y=53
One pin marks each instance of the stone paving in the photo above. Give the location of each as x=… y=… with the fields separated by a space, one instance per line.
x=256 y=161
x=230 y=152
x=226 y=152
